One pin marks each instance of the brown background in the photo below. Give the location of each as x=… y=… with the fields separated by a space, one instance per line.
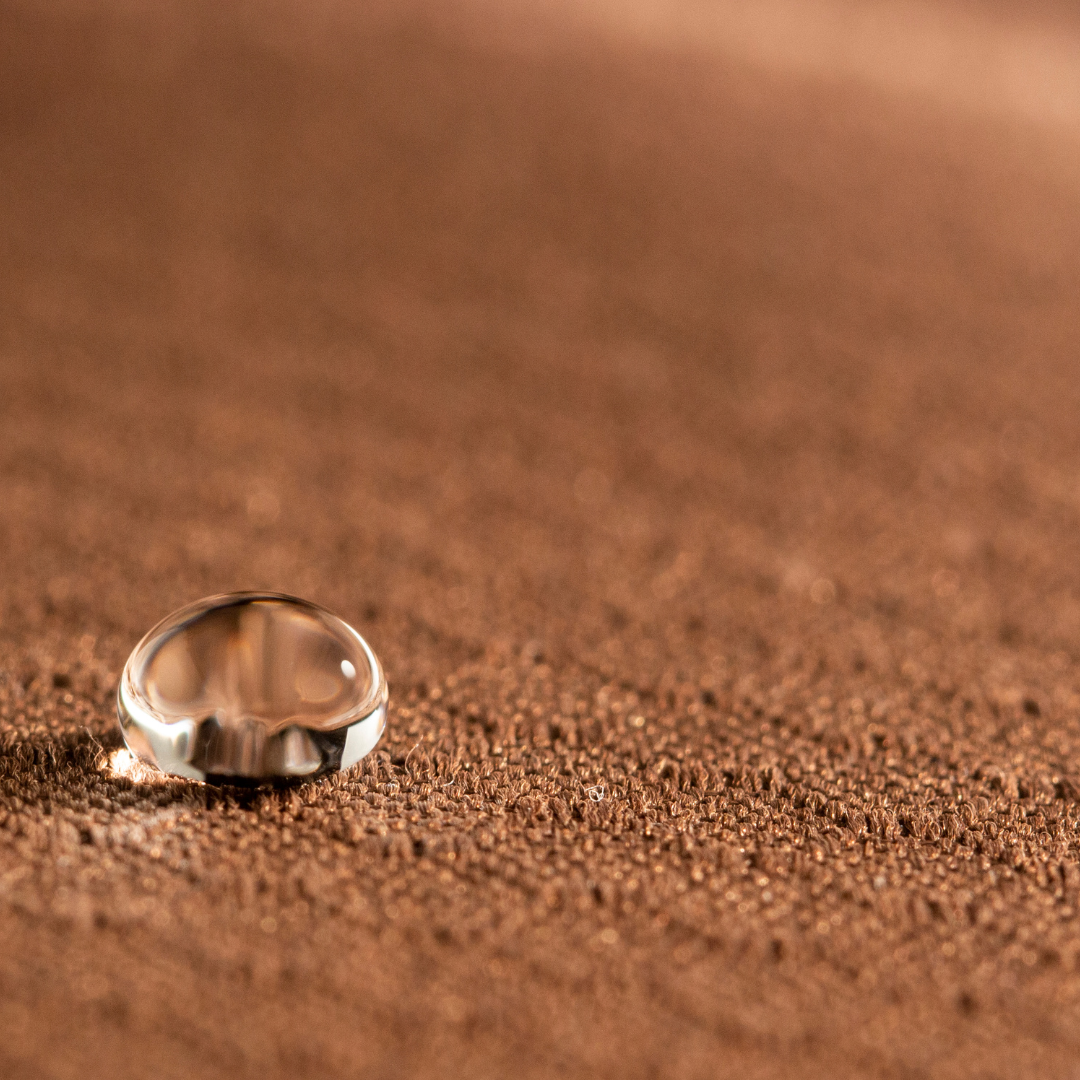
x=683 y=401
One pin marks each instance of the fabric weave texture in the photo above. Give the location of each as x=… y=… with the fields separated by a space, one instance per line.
x=690 y=430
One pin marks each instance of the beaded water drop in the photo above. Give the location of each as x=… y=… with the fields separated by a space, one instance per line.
x=252 y=687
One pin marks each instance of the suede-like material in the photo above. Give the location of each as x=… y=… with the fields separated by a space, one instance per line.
x=691 y=428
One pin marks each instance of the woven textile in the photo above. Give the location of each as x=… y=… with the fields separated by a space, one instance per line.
x=684 y=408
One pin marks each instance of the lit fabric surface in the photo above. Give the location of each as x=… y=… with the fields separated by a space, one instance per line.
x=691 y=428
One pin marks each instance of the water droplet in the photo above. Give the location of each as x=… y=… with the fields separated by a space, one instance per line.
x=249 y=687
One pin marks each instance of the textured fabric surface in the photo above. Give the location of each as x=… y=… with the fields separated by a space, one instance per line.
x=691 y=427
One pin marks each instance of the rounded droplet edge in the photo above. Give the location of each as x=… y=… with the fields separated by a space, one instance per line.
x=363 y=725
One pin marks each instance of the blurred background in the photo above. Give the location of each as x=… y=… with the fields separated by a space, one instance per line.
x=710 y=351
x=446 y=309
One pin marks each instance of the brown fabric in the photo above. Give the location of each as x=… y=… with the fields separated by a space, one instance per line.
x=694 y=435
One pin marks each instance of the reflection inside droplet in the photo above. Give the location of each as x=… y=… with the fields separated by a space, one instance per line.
x=252 y=686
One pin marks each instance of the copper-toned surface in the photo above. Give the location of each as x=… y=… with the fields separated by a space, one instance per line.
x=684 y=408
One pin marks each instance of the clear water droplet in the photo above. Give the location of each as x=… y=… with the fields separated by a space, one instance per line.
x=250 y=687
